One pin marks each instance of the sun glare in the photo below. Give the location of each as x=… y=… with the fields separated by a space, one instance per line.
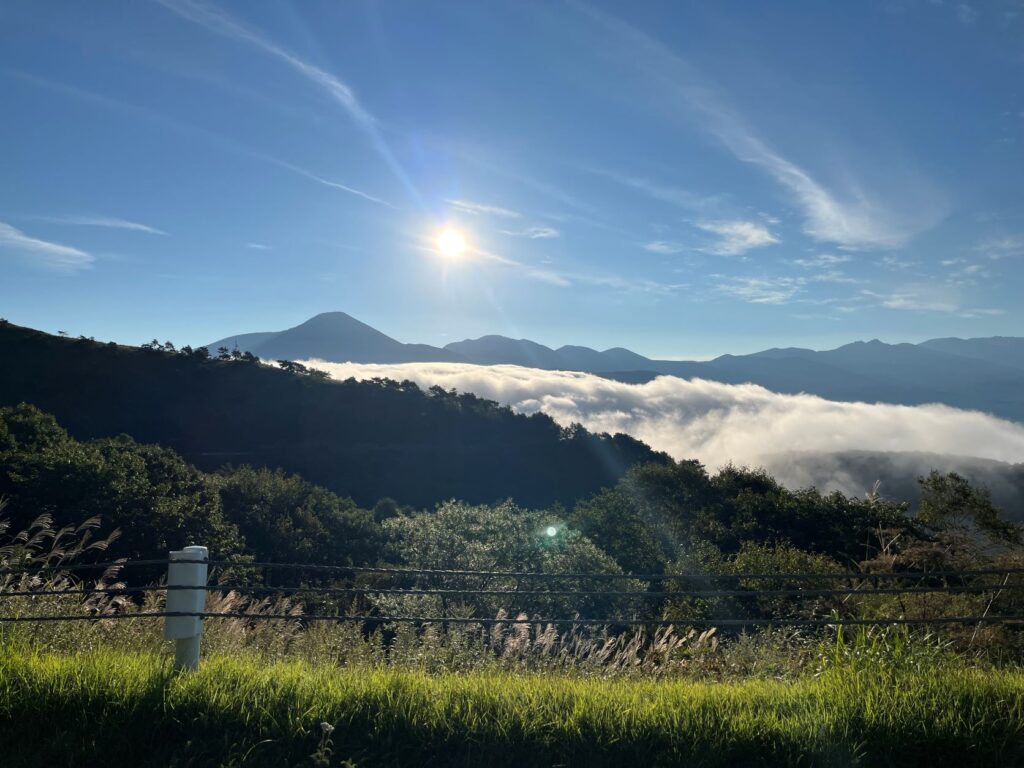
x=451 y=244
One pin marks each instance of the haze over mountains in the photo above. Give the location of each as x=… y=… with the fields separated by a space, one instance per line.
x=984 y=374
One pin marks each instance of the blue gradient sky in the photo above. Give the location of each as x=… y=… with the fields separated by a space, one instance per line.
x=682 y=178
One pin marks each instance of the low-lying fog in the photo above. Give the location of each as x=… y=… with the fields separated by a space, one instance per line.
x=720 y=423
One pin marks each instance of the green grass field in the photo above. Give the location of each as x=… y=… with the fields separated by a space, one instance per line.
x=115 y=708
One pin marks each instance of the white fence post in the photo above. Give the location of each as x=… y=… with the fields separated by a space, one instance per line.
x=186 y=630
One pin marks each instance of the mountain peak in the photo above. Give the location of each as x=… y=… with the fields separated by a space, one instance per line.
x=338 y=337
x=331 y=319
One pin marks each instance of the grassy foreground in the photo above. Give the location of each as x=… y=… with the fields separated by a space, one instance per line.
x=107 y=708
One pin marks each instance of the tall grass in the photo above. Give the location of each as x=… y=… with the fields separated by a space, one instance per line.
x=105 y=708
x=281 y=692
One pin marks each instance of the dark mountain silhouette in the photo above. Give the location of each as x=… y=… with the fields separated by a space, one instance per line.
x=493 y=350
x=333 y=336
x=1002 y=350
x=985 y=374
x=366 y=439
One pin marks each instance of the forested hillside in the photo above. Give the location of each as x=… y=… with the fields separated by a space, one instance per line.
x=366 y=440
x=659 y=518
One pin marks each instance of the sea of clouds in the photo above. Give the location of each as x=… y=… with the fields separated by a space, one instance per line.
x=716 y=423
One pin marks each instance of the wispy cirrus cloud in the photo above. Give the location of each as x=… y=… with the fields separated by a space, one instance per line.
x=736 y=237
x=229 y=144
x=565 y=278
x=666 y=193
x=760 y=290
x=533 y=233
x=964 y=272
x=328 y=182
x=664 y=247
x=945 y=298
x=89 y=220
x=834 y=276
x=997 y=248
x=850 y=217
x=220 y=22
x=976 y=312
x=821 y=260
x=477 y=209
x=257 y=247
x=548 y=276
x=49 y=255
x=854 y=220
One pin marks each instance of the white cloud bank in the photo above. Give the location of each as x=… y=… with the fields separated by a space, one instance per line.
x=713 y=422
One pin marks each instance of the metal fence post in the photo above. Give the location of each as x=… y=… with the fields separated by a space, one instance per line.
x=186 y=631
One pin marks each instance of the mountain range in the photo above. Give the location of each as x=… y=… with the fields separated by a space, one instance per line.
x=984 y=374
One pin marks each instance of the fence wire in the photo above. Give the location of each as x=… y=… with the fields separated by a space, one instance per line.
x=485 y=621
x=858 y=590
x=596 y=576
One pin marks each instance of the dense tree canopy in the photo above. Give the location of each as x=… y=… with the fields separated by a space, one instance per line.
x=663 y=518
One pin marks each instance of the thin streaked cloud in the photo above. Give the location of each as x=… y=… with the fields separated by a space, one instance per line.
x=189 y=129
x=916 y=300
x=997 y=248
x=53 y=256
x=760 y=290
x=328 y=182
x=533 y=233
x=219 y=22
x=110 y=222
x=664 y=247
x=549 y=276
x=851 y=217
x=821 y=260
x=666 y=193
x=477 y=209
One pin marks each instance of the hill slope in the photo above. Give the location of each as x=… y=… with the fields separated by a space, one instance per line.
x=363 y=439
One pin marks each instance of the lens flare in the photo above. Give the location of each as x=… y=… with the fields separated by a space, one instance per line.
x=551 y=531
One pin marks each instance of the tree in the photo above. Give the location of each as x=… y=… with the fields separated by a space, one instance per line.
x=292 y=367
x=950 y=503
x=504 y=537
x=157 y=500
x=618 y=527
x=223 y=353
x=286 y=519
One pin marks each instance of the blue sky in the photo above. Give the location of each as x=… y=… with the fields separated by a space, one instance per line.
x=682 y=178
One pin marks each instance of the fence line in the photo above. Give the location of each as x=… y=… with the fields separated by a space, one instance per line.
x=187 y=585
x=691 y=576
x=602 y=622
x=264 y=590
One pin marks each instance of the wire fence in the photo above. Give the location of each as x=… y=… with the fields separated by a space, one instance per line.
x=41 y=578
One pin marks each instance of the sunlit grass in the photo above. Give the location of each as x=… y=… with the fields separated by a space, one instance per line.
x=87 y=709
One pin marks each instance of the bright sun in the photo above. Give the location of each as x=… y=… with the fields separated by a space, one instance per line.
x=451 y=243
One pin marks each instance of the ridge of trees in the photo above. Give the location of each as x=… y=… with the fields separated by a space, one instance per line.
x=364 y=439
